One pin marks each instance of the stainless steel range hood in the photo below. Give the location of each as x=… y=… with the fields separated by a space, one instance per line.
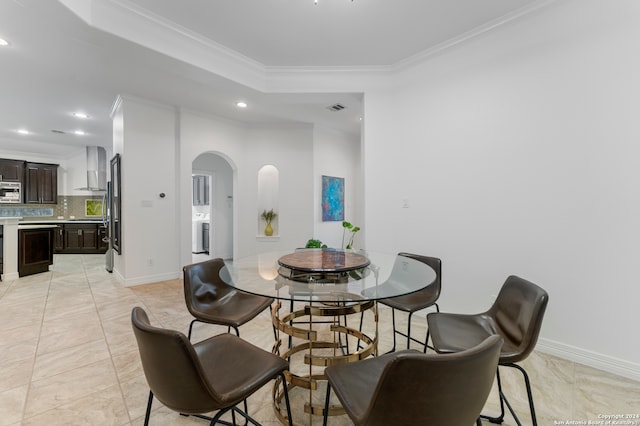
x=96 y=169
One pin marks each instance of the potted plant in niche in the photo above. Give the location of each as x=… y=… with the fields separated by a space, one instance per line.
x=268 y=216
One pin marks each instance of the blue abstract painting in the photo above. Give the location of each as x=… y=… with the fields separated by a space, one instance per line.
x=332 y=199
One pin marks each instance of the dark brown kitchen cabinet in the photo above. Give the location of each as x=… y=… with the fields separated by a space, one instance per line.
x=58 y=239
x=11 y=170
x=80 y=237
x=35 y=250
x=41 y=183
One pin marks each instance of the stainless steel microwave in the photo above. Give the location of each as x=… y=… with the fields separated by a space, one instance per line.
x=10 y=192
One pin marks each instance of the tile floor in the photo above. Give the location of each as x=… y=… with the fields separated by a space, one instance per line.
x=69 y=356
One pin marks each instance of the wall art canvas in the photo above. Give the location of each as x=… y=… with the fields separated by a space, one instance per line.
x=332 y=199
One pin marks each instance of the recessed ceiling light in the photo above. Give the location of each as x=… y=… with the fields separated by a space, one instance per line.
x=80 y=115
x=3 y=42
x=79 y=132
x=241 y=104
x=23 y=131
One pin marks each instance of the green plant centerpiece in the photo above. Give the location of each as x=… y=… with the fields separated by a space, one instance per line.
x=312 y=243
x=268 y=216
x=347 y=226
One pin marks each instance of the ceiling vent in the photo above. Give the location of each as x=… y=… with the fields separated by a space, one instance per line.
x=336 y=107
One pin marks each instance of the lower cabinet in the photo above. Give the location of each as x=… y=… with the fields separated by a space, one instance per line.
x=35 y=250
x=205 y=237
x=58 y=239
x=80 y=238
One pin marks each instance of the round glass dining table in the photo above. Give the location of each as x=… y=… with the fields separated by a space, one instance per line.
x=330 y=285
x=369 y=275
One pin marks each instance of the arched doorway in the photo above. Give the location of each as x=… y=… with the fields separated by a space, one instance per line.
x=212 y=207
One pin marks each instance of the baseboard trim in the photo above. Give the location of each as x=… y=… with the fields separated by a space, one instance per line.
x=151 y=279
x=10 y=276
x=596 y=360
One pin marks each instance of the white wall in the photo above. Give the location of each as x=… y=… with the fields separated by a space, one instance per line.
x=200 y=134
x=149 y=223
x=337 y=154
x=290 y=149
x=518 y=152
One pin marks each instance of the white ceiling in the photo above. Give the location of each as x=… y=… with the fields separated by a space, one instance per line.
x=56 y=63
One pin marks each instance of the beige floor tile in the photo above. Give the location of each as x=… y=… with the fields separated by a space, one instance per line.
x=128 y=365
x=56 y=362
x=603 y=393
x=78 y=333
x=11 y=405
x=15 y=373
x=59 y=320
x=106 y=407
x=136 y=394
x=64 y=388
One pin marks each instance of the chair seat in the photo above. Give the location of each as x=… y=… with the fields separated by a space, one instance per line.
x=233 y=308
x=452 y=333
x=355 y=383
x=240 y=368
x=414 y=301
x=412 y=388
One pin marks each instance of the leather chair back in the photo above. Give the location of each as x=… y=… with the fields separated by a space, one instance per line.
x=171 y=367
x=517 y=314
x=203 y=286
x=433 y=289
x=449 y=389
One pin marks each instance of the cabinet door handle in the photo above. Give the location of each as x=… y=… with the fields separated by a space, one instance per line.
x=79 y=232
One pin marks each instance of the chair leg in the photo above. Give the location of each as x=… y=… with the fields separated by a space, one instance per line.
x=499 y=419
x=426 y=340
x=191 y=329
x=286 y=398
x=326 y=405
x=527 y=383
x=504 y=400
x=393 y=325
x=146 y=417
x=409 y=330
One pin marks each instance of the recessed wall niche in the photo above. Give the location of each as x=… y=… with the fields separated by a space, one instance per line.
x=268 y=188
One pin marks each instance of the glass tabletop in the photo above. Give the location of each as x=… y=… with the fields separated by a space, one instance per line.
x=385 y=275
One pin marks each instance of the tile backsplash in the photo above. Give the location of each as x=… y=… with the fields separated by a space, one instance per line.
x=68 y=205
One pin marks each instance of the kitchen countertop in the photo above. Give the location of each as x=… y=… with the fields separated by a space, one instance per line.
x=58 y=221
x=41 y=226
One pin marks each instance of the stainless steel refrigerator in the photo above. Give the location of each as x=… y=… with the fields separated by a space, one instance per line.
x=106 y=220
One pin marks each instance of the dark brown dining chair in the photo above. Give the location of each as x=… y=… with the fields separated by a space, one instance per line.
x=412 y=388
x=211 y=300
x=516 y=315
x=413 y=302
x=215 y=374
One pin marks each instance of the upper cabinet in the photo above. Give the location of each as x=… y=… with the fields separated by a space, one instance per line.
x=41 y=183
x=200 y=190
x=11 y=170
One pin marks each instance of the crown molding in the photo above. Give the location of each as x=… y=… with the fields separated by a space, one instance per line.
x=128 y=20
x=427 y=54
